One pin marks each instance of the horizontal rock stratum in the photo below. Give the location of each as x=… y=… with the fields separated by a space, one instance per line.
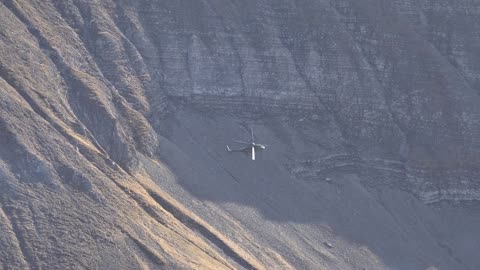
x=115 y=116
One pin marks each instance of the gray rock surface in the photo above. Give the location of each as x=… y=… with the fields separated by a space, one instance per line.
x=114 y=116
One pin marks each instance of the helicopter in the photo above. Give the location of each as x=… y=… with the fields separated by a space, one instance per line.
x=250 y=148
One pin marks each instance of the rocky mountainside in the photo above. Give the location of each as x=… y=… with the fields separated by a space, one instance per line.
x=114 y=116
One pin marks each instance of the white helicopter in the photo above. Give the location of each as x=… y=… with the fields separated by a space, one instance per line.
x=251 y=148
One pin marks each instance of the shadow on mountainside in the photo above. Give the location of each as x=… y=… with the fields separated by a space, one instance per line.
x=276 y=188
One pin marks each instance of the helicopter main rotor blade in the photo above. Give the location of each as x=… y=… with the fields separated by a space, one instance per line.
x=251 y=130
x=253 y=153
x=241 y=142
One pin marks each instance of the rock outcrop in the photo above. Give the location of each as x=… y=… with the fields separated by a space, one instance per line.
x=96 y=95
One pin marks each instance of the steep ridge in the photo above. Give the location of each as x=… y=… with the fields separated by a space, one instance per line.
x=60 y=180
x=114 y=116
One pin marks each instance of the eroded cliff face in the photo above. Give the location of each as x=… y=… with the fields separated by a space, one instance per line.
x=96 y=95
x=398 y=81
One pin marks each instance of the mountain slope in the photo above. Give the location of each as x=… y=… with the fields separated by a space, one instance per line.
x=114 y=116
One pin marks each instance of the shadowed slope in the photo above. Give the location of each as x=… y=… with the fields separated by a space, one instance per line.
x=369 y=109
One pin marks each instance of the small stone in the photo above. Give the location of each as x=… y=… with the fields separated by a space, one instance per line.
x=328 y=244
